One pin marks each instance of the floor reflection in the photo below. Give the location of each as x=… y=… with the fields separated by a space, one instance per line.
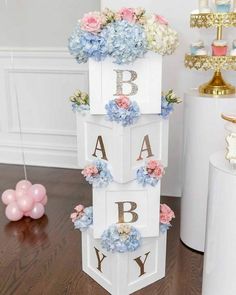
x=28 y=231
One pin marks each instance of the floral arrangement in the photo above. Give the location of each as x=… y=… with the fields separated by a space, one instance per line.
x=122 y=110
x=98 y=174
x=82 y=217
x=80 y=101
x=124 y=35
x=166 y=216
x=151 y=173
x=120 y=238
x=167 y=103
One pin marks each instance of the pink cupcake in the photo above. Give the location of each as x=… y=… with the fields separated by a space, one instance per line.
x=219 y=48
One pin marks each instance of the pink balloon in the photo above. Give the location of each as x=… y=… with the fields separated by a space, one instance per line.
x=13 y=212
x=25 y=203
x=27 y=214
x=37 y=211
x=20 y=193
x=23 y=185
x=37 y=191
x=44 y=200
x=8 y=196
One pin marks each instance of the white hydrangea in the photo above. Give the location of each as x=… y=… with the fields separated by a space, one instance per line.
x=161 y=38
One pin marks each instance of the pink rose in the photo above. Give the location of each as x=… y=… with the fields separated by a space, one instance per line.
x=91 y=22
x=161 y=20
x=78 y=214
x=123 y=102
x=152 y=164
x=73 y=216
x=164 y=219
x=127 y=14
x=90 y=171
x=158 y=171
x=166 y=214
x=79 y=208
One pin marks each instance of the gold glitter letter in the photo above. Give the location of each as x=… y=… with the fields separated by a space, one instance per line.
x=120 y=81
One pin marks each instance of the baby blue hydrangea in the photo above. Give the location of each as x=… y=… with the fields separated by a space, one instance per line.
x=80 y=108
x=126 y=41
x=113 y=242
x=85 y=221
x=103 y=178
x=84 y=45
x=164 y=227
x=120 y=115
x=167 y=103
x=144 y=178
x=166 y=108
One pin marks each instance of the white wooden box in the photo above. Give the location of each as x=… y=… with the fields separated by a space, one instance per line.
x=145 y=88
x=123 y=274
x=150 y=5
x=122 y=146
x=127 y=203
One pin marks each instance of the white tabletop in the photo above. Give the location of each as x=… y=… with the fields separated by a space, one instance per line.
x=219 y=161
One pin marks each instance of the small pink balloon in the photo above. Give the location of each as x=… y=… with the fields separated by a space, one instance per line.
x=37 y=211
x=20 y=193
x=23 y=185
x=25 y=203
x=13 y=212
x=8 y=196
x=37 y=192
x=44 y=200
x=27 y=214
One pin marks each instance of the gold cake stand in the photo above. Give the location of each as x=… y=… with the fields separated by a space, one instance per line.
x=216 y=86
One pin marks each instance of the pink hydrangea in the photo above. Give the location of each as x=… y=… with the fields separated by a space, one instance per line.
x=123 y=102
x=92 y=22
x=90 y=171
x=166 y=214
x=78 y=214
x=127 y=14
x=161 y=20
x=155 y=168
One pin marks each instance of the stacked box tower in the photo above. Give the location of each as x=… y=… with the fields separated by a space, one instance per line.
x=125 y=149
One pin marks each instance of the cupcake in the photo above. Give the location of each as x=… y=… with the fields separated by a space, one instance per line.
x=219 y=48
x=223 y=6
x=201 y=52
x=195 y=46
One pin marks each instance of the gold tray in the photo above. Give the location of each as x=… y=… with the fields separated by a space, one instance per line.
x=207 y=20
x=207 y=62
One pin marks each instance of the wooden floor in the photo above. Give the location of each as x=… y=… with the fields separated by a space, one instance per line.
x=44 y=256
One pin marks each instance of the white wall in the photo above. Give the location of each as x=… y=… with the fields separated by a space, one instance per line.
x=33 y=23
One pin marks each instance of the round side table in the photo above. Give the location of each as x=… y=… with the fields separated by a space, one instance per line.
x=203 y=135
x=220 y=250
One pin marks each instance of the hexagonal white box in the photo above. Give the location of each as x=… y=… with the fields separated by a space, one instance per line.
x=140 y=80
x=127 y=203
x=125 y=148
x=123 y=274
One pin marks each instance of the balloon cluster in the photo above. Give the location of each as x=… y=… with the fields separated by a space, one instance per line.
x=25 y=200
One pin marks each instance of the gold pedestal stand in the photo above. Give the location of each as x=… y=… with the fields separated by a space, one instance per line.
x=217 y=86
